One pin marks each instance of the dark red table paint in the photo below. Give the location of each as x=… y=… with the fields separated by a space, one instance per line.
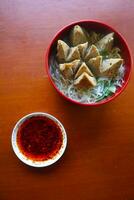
x=39 y=138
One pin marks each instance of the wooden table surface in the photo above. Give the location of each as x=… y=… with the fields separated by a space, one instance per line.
x=99 y=160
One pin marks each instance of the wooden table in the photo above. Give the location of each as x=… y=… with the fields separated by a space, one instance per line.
x=99 y=160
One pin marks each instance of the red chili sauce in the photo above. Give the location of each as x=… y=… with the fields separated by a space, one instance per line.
x=39 y=138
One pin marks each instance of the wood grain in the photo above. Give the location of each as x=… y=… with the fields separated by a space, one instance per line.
x=99 y=161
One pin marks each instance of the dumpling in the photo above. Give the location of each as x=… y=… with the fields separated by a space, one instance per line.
x=93 y=37
x=110 y=67
x=94 y=64
x=83 y=68
x=92 y=52
x=106 y=42
x=69 y=69
x=62 y=51
x=84 y=81
x=78 y=36
x=82 y=49
x=73 y=54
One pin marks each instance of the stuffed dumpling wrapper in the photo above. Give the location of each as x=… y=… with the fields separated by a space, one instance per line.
x=95 y=64
x=106 y=43
x=78 y=35
x=62 y=51
x=73 y=54
x=82 y=49
x=69 y=69
x=91 y=52
x=84 y=81
x=110 y=67
x=83 y=68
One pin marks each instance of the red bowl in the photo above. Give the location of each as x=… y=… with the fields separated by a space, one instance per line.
x=102 y=28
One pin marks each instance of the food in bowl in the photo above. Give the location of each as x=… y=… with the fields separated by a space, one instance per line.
x=87 y=67
x=39 y=139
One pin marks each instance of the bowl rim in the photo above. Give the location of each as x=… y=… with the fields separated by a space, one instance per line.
x=104 y=24
x=28 y=161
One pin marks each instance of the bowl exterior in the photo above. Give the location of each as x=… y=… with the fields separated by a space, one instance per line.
x=92 y=24
x=28 y=161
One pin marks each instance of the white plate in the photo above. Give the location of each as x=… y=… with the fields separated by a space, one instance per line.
x=28 y=161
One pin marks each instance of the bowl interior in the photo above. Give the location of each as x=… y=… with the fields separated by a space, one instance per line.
x=100 y=28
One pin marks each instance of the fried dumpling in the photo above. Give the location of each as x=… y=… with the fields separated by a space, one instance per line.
x=84 y=81
x=92 y=52
x=69 y=69
x=82 y=49
x=95 y=64
x=73 y=54
x=62 y=51
x=106 y=42
x=78 y=36
x=110 y=66
x=83 y=68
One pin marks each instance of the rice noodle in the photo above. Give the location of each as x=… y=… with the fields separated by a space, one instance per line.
x=104 y=88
